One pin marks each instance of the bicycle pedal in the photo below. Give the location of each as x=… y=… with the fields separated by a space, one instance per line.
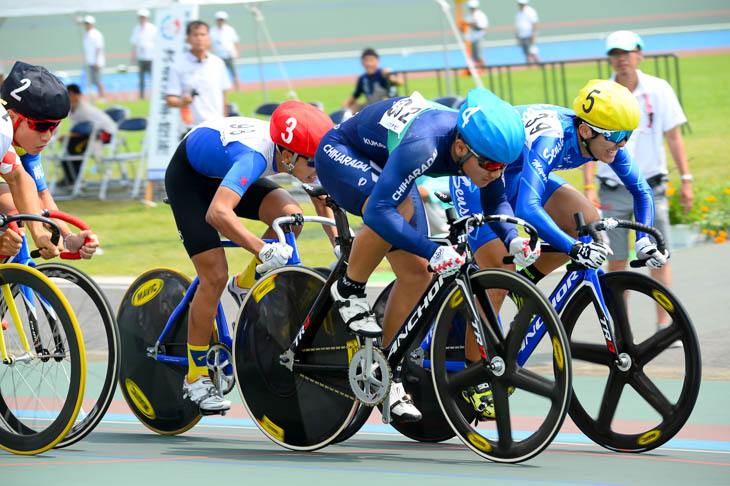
x=206 y=413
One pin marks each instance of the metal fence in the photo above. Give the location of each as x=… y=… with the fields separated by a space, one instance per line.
x=500 y=78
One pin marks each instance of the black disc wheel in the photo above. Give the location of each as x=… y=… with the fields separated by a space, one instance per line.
x=299 y=410
x=530 y=401
x=153 y=389
x=642 y=407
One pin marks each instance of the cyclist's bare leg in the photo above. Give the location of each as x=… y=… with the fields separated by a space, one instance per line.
x=663 y=275
x=561 y=206
x=489 y=255
x=412 y=278
x=212 y=270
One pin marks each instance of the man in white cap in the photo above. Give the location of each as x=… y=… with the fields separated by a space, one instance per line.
x=224 y=38
x=525 y=28
x=661 y=117
x=94 y=54
x=477 y=21
x=143 y=39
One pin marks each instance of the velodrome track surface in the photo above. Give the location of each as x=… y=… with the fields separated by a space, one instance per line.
x=230 y=448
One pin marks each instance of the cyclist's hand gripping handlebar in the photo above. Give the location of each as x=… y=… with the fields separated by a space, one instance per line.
x=607 y=224
x=13 y=217
x=72 y=220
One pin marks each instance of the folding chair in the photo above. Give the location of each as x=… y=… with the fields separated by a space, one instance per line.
x=55 y=160
x=340 y=115
x=117 y=113
x=267 y=109
x=450 y=101
x=122 y=157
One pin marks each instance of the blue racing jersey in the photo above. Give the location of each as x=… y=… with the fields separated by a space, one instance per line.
x=236 y=149
x=552 y=144
x=32 y=165
x=408 y=138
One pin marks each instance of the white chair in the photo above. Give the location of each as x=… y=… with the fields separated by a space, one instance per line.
x=118 y=154
x=53 y=161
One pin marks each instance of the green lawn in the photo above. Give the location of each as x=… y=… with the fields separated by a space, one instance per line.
x=135 y=237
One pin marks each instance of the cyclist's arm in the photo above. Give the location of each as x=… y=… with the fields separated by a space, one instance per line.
x=532 y=185
x=626 y=170
x=393 y=186
x=322 y=210
x=494 y=201
x=25 y=199
x=244 y=172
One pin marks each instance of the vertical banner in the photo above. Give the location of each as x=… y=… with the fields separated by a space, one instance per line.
x=163 y=132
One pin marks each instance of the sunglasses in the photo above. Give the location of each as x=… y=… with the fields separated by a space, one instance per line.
x=41 y=126
x=615 y=136
x=484 y=162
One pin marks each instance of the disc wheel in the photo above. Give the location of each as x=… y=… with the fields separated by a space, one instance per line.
x=639 y=409
x=289 y=407
x=542 y=385
x=153 y=389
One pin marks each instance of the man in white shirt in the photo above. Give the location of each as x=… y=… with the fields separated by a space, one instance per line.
x=525 y=28
x=477 y=21
x=143 y=39
x=94 y=54
x=661 y=117
x=200 y=80
x=224 y=39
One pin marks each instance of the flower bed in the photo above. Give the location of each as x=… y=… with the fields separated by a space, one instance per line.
x=711 y=211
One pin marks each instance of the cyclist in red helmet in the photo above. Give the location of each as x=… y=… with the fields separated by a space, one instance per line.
x=217 y=175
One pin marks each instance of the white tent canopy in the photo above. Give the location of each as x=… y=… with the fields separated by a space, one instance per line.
x=11 y=8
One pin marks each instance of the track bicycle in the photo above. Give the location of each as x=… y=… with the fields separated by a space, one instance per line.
x=43 y=368
x=98 y=325
x=153 y=323
x=302 y=378
x=625 y=349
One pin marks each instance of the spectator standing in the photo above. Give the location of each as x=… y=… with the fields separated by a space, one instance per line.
x=477 y=21
x=200 y=79
x=94 y=54
x=661 y=117
x=83 y=111
x=143 y=39
x=526 y=26
x=224 y=39
x=375 y=84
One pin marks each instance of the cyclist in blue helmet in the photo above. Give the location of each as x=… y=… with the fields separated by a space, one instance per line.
x=369 y=163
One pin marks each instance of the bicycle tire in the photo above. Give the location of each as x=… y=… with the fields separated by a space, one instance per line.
x=598 y=426
x=153 y=389
x=102 y=348
x=289 y=409
x=24 y=430
x=494 y=440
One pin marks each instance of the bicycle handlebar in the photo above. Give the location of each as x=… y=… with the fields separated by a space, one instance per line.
x=608 y=224
x=70 y=219
x=13 y=217
x=298 y=220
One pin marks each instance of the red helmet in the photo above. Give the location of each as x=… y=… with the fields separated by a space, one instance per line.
x=299 y=127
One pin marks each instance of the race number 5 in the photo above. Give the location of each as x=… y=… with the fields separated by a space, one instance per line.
x=592 y=99
x=291 y=124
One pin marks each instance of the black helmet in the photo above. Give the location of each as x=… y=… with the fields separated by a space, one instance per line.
x=35 y=93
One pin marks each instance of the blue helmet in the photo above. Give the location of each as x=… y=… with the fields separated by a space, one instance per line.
x=491 y=126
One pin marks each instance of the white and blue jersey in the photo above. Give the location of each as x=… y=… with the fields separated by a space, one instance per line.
x=237 y=150
x=551 y=144
x=379 y=153
x=32 y=165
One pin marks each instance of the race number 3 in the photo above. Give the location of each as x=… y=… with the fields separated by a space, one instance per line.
x=291 y=124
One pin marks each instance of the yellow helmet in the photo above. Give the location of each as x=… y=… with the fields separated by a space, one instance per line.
x=608 y=105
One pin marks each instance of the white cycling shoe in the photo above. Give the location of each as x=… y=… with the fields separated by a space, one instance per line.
x=236 y=292
x=204 y=394
x=401 y=404
x=356 y=313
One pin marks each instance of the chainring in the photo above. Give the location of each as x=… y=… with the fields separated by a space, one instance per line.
x=372 y=388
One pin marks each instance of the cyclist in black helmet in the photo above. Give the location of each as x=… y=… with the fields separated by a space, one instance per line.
x=35 y=102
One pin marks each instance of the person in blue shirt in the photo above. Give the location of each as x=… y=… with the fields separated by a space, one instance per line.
x=375 y=83
x=603 y=117
x=369 y=165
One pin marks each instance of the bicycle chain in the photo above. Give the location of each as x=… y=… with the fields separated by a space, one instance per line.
x=332 y=389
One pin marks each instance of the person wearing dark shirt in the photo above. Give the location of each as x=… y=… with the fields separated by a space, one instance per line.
x=375 y=84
